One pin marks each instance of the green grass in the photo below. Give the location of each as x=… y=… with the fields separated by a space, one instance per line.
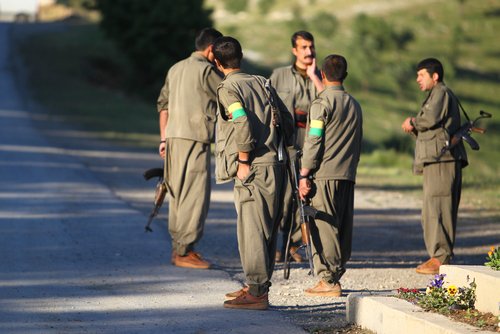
x=79 y=75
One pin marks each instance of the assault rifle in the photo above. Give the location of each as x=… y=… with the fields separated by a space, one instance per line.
x=160 y=193
x=305 y=212
x=464 y=133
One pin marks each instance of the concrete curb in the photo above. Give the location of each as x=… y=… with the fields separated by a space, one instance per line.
x=390 y=315
x=487 y=280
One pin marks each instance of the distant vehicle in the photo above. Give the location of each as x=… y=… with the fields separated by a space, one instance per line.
x=21 y=11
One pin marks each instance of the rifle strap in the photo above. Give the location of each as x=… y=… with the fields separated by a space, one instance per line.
x=459 y=104
x=463 y=110
x=272 y=102
x=270 y=94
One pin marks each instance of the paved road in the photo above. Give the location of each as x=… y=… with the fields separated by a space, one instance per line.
x=74 y=257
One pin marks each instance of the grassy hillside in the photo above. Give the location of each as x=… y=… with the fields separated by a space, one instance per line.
x=77 y=73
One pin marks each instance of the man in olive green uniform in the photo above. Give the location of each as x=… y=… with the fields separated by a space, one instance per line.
x=187 y=112
x=297 y=85
x=248 y=144
x=331 y=154
x=437 y=121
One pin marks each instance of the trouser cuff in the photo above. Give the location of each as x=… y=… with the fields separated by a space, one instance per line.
x=334 y=277
x=258 y=290
x=182 y=250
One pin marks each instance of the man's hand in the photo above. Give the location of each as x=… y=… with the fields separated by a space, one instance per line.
x=243 y=171
x=162 y=150
x=406 y=126
x=311 y=73
x=304 y=188
x=311 y=69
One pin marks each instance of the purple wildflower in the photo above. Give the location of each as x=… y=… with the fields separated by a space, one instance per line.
x=438 y=281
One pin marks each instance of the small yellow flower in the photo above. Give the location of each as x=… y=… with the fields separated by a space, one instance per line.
x=428 y=290
x=490 y=253
x=452 y=290
x=492 y=248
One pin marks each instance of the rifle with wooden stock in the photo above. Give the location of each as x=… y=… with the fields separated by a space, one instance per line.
x=464 y=133
x=160 y=193
x=305 y=212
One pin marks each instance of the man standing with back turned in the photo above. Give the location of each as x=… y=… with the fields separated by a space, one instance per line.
x=331 y=155
x=437 y=121
x=248 y=145
x=297 y=85
x=187 y=111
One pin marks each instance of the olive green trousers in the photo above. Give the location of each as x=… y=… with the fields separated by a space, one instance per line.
x=331 y=230
x=259 y=200
x=188 y=174
x=442 y=188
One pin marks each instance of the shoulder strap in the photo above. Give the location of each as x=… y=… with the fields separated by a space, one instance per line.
x=271 y=97
x=459 y=104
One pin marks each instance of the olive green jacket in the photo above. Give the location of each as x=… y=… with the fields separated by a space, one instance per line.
x=189 y=95
x=333 y=154
x=253 y=131
x=296 y=92
x=437 y=121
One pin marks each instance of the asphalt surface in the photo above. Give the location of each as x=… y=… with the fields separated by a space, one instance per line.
x=74 y=257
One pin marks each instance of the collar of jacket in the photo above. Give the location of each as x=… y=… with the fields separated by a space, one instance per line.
x=198 y=56
x=232 y=73
x=334 y=87
x=437 y=85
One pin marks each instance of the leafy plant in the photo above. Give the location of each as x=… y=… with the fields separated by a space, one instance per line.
x=411 y=295
x=153 y=34
x=493 y=258
x=441 y=298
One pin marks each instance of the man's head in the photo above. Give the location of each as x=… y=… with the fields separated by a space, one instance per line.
x=303 y=48
x=204 y=40
x=429 y=72
x=334 y=68
x=227 y=52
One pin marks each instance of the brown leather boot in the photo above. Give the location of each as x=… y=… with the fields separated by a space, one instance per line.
x=430 y=267
x=191 y=260
x=248 y=302
x=236 y=294
x=323 y=289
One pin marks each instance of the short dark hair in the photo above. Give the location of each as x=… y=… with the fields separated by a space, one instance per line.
x=227 y=50
x=335 y=68
x=205 y=38
x=432 y=65
x=302 y=34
